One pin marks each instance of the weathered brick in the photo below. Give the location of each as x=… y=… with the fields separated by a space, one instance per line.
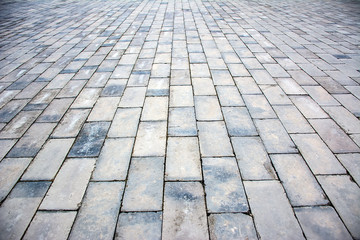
x=133 y=97
x=292 y=119
x=351 y=163
x=308 y=107
x=56 y=110
x=71 y=124
x=229 y=96
x=181 y=96
x=207 y=108
x=17 y=127
x=155 y=108
x=104 y=109
x=258 y=106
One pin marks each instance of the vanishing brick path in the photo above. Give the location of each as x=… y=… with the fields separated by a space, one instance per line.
x=180 y=119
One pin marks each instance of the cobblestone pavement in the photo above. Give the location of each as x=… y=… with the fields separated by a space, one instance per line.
x=189 y=119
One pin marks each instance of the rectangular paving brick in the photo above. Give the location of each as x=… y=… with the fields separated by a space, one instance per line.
x=334 y=136
x=10 y=110
x=292 y=119
x=19 y=208
x=238 y=70
x=56 y=110
x=182 y=122
x=320 y=95
x=46 y=164
x=273 y=215
x=151 y=139
x=138 y=79
x=293 y=173
x=199 y=70
x=155 y=109
x=275 y=95
x=231 y=226
x=114 y=160
x=42 y=100
x=11 y=170
x=145 y=180
x=317 y=155
x=344 y=195
x=207 y=108
x=160 y=70
x=69 y=186
x=114 y=88
x=90 y=140
x=98 y=214
x=229 y=96
x=349 y=102
x=139 y=226
x=71 y=89
x=321 y=222
x=125 y=122
x=183 y=159
x=345 y=119
x=351 y=163
x=221 y=77
x=133 y=97
x=104 y=109
x=214 y=140
x=51 y=225
x=247 y=85
x=258 y=106
x=274 y=136
x=33 y=139
x=290 y=86
x=180 y=77
x=18 y=126
x=276 y=70
x=203 y=86
x=308 y=107
x=262 y=77
x=185 y=201
x=71 y=123
x=86 y=98
x=181 y=96
x=238 y=121
x=158 y=87
x=223 y=186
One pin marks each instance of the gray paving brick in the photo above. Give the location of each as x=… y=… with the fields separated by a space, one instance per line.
x=86 y=98
x=99 y=211
x=184 y=211
x=203 y=86
x=90 y=140
x=56 y=110
x=300 y=185
x=262 y=77
x=31 y=142
x=133 y=97
x=139 y=226
x=214 y=140
x=321 y=223
x=290 y=86
x=344 y=195
x=231 y=226
x=274 y=136
x=98 y=79
x=42 y=168
x=223 y=186
x=31 y=90
x=10 y=110
x=292 y=119
x=122 y=71
x=104 y=109
x=160 y=70
x=155 y=108
x=247 y=85
x=50 y=225
x=17 y=127
x=183 y=159
x=229 y=96
x=349 y=102
x=238 y=121
x=333 y=136
x=308 y=107
x=347 y=121
x=71 y=89
x=207 y=108
x=317 y=155
x=331 y=85
x=258 y=106
x=221 y=77
x=181 y=96
x=199 y=70
x=302 y=78
x=125 y=122
x=138 y=79
x=114 y=88
x=275 y=95
x=6 y=96
x=69 y=186
x=351 y=163
x=238 y=70
x=42 y=100
x=145 y=180
x=274 y=217
x=19 y=208
x=158 y=87
x=182 y=122
x=180 y=77
x=150 y=139
x=320 y=95
x=71 y=123
x=275 y=70
x=10 y=171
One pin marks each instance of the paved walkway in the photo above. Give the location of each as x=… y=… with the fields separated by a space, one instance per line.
x=189 y=119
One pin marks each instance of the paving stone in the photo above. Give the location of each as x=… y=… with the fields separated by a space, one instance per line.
x=180 y=77
x=320 y=95
x=275 y=95
x=145 y=180
x=252 y=63
x=262 y=77
x=292 y=119
x=42 y=100
x=181 y=96
x=312 y=70
x=33 y=139
x=258 y=106
x=238 y=70
x=114 y=160
x=10 y=171
x=17 y=127
x=5 y=146
x=223 y=186
x=71 y=89
x=56 y=110
x=155 y=108
x=138 y=79
x=104 y=109
x=6 y=96
x=349 y=102
x=114 y=88
x=214 y=140
x=247 y=85
x=221 y=77
x=158 y=87
x=31 y=90
x=203 y=86
x=302 y=78
x=290 y=86
x=46 y=164
x=229 y=96
x=199 y=70
x=182 y=122
x=355 y=90
x=333 y=136
x=122 y=71
x=274 y=136
x=321 y=223
x=330 y=85
x=351 y=163
x=133 y=97
x=10 y=110
x=184 y=211
x=273 y=215
x=347 y=121
x=50 y=225
x=98 y=79
x=125 y=122
x=151 y=139
x=207 y=108
x=90 y=140
x=238 y=121
x=71 y=123
x=86 y=98
x=69 y=186
x=344 y=195
x=160 y=70
x=308 y=107
x=300 y=185
x=139 y=226
x=98 y=214
x=19 y=208
x=183 y=159
x=276 y=70
x=317 y=155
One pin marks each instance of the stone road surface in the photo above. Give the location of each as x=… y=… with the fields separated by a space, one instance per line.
x=180 y=119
